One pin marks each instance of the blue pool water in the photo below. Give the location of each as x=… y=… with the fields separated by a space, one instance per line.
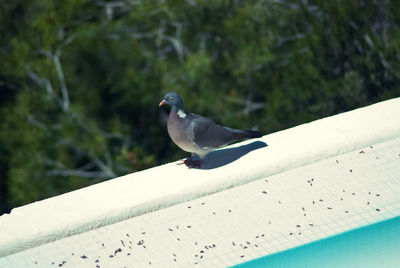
x=376 y=245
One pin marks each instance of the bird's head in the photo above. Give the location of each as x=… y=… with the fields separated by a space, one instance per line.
x=172 y=99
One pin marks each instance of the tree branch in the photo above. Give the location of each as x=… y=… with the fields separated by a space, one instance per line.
x=60 y=74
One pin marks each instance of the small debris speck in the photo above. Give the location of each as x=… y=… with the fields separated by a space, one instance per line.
x=377 y=209
x=362 y=152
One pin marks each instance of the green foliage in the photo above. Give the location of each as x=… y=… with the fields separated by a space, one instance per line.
x=81 y=80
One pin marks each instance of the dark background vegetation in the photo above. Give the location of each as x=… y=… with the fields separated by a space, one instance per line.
x=81 y=80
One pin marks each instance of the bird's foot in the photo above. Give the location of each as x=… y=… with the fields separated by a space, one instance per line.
x=190 y=162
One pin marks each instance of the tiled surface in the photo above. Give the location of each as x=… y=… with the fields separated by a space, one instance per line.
x=266 y=216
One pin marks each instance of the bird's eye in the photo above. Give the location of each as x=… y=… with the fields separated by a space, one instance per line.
x=170 y=98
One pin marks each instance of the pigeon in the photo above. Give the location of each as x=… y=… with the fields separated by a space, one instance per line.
x=199 y=135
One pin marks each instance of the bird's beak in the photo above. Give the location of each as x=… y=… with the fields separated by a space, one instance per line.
x=162 y=103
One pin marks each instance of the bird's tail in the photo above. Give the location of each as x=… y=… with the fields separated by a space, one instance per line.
x=253 y=134
x=238 y=134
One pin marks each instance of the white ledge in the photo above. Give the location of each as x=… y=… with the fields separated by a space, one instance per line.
x=149 y=190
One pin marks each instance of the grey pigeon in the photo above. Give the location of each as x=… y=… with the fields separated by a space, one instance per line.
x=199 y=135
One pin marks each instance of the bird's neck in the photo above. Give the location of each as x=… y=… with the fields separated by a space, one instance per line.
x=178 y=110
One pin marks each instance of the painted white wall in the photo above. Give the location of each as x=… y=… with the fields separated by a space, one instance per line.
x=141 y=192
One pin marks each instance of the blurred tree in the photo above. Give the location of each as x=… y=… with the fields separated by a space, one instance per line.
x=80 y=80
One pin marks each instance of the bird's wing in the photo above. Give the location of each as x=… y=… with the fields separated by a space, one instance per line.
x=205 y=133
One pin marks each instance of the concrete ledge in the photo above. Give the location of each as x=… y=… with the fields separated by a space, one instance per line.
x=156 y=188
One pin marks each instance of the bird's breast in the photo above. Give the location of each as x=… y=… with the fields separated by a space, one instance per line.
x=177 y=131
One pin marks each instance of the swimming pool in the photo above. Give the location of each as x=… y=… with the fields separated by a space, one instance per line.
x=376 y=245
